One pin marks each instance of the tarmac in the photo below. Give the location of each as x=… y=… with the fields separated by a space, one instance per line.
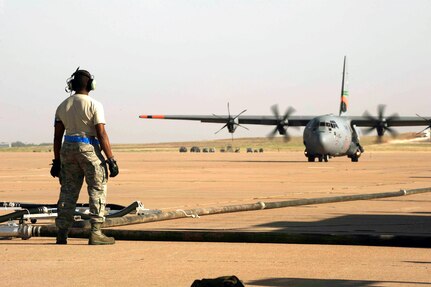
x=171 y=181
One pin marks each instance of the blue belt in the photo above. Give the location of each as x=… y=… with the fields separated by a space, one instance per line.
x=78 y=139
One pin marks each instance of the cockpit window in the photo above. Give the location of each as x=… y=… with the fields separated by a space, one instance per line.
x=334 y=124
x=331 y=124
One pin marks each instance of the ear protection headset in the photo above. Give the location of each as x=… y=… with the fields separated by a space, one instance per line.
x=91 y=85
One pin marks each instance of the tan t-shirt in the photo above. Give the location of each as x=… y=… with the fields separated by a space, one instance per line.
x=79 y=114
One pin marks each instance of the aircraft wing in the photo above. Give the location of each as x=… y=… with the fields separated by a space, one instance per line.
x=397 y=121
x=297 y=121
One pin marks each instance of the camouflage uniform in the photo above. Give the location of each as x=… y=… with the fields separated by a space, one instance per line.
x=79 y=160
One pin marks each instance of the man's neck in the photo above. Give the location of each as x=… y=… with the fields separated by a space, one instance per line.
x=82 y=92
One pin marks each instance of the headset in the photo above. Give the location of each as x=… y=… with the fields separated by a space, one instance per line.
x=91 y=85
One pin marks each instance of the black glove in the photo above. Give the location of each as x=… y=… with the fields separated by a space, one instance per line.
x=113 y=167
x=56 y=167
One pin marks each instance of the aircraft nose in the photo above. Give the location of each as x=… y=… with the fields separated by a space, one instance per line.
x=323 y=143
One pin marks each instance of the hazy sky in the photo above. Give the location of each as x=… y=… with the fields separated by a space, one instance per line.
x=192 y=57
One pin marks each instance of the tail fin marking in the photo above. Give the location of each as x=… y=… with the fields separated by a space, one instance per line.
x=344 y=90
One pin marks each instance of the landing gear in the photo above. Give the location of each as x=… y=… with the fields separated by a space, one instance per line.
x=355 y=157
x=323 y=158
x=312 y=158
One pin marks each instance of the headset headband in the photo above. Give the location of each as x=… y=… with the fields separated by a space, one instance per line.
x=82 y=73
x=91 y=85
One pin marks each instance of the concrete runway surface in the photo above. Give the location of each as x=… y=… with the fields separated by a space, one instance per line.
x=171 y=181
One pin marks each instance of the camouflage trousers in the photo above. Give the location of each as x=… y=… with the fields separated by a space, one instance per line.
x=79 y=161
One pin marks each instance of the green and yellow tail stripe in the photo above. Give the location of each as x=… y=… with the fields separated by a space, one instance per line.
x=344 y=92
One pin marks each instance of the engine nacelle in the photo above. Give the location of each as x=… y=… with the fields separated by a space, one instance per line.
x=232 y=125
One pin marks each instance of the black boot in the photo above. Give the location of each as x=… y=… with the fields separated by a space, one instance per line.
x=62 y=236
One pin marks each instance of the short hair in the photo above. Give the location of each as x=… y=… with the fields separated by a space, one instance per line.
x=80 y=80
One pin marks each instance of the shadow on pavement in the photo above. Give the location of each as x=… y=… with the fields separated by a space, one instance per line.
x=253 y=161
x=365 y=224
x=299 y=282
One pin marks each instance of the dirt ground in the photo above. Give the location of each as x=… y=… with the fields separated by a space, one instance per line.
x=171 y=181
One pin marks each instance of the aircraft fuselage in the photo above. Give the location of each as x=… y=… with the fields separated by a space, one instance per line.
x=330 y=136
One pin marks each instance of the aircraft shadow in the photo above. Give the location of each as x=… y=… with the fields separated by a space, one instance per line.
x=300 y=282
x=377 y=224
x=418 y=262
x=17 y=242
x=237 y=161
x=253 y=161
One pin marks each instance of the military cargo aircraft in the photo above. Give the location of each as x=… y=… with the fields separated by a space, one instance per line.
x=324 y=136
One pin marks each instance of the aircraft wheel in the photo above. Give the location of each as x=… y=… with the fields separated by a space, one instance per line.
x=320 y=158
x=311 y=159
x=325 y=158
x=356 y=156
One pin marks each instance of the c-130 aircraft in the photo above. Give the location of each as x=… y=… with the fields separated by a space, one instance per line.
x=324 y=136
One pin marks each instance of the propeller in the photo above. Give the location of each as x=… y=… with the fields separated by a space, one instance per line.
x=427 y=128
x=232 y=122
x=381 y=123
x=282 y=122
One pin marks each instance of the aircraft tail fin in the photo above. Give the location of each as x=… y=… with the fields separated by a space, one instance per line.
x=344 y=90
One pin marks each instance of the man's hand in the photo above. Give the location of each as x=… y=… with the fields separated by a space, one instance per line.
x=56 y=167
x=113 y=167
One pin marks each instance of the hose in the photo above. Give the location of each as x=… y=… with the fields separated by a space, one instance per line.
x=250 y=237
x=23 y=231
x=30 y=208
x=9 y=204
x=235 y=236
x=20 y=213
x=126 y=210
x=136 y=219
x=272 y=237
